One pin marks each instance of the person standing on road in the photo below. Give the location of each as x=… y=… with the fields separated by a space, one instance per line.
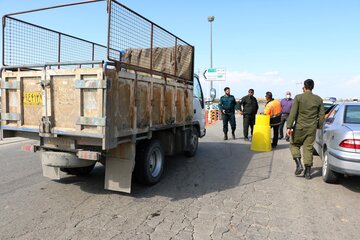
x=248 y=108
x=286 y=104
x=227 y=108
x=306 y=115
x=273 y=108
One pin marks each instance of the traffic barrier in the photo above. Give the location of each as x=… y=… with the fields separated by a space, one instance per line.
x=213 y=115
x=261 y=139
x=207 y=118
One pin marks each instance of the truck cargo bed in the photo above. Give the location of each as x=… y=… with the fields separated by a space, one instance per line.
x=98 y=103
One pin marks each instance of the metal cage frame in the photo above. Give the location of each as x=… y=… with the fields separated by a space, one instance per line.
x=129 y=36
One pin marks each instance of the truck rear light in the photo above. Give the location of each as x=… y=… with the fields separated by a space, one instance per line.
x=88 y=155
x=350 y=143
x=28 y=148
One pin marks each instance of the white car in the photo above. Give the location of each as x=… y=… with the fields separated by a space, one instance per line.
x=338 y=141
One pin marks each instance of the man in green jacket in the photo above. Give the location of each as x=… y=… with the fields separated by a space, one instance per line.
x=227 y=108
x=248 y=108
x=306 y=115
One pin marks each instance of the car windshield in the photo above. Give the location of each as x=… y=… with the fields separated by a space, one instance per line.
x=352 y=114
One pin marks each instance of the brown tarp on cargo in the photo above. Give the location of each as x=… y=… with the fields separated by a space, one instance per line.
x=164 y=60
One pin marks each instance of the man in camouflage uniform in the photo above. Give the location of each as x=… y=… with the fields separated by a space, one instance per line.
x=227 y=108
x=306 y=115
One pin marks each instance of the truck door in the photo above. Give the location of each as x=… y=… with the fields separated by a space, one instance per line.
x=199 y=104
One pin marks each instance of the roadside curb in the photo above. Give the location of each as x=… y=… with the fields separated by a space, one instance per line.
x=7 y=141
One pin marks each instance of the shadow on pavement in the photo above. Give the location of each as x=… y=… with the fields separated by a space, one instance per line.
x=350 y=182
x=93 y=183
x=217 y=166
x=316 y=172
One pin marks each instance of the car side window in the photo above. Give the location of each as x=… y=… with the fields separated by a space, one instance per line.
x=329 y=110
x=352 y=114
x=332 y=114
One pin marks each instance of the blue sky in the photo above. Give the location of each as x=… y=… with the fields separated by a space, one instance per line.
x=262 y=44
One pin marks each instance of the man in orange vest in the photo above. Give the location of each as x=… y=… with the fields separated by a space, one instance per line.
x=273 y=108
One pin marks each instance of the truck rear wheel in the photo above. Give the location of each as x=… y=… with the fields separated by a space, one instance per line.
x=149 y=162
x=193 y=144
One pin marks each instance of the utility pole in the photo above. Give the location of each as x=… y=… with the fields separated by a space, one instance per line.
x=212 y=90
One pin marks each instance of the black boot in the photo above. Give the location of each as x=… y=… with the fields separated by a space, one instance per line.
x=233 y=134
x=225 y=136
x=307 y=172
x=299 y=166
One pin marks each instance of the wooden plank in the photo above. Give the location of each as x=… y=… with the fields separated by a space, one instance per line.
x=169 y=105
x=65 y=103
x=189 y=108
x=101 y=102
x=119 y=104
x=142 y=103
x=150 y=102
x=180 y=105
x=156 y=100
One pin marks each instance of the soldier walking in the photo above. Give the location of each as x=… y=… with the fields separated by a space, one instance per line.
x=248 y=108
x=227 y=108
x=306 y=115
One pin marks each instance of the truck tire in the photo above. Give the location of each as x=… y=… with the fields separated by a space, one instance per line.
x=193 y=145
x=80 y=171
x=149 y=162
x=328 y=175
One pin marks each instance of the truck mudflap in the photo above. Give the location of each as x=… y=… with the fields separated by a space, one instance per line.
x=120 y=163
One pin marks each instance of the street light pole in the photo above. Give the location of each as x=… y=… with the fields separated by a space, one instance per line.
x=211 y=19
x=298 y=86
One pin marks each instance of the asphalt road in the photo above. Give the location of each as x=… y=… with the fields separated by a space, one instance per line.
x=225 y=192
